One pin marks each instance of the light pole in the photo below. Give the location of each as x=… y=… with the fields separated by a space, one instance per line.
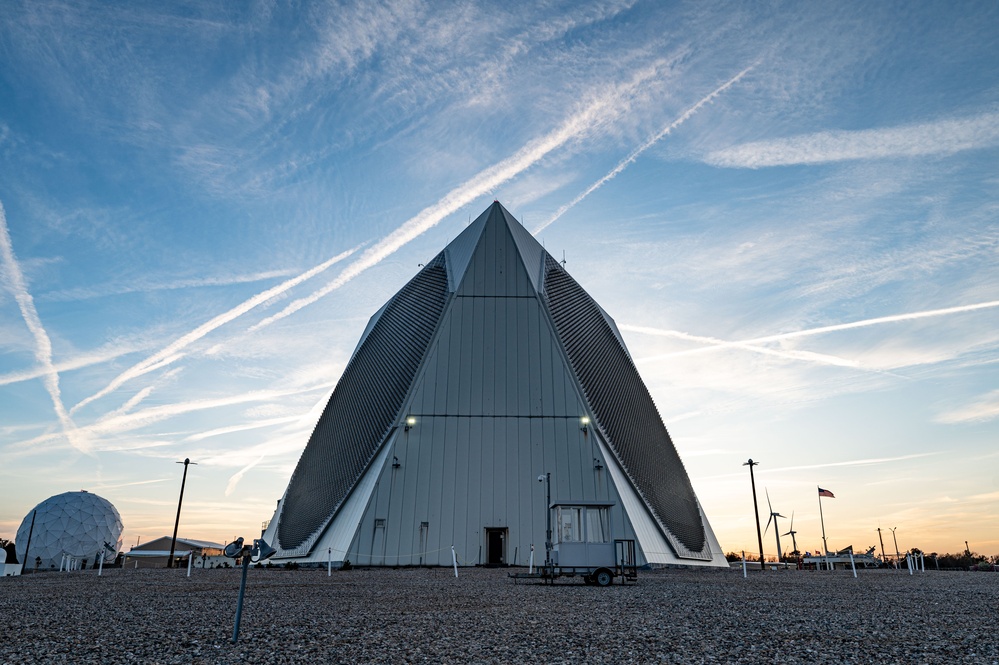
x=27 y=548
x=897 y=555
x=173 y=541
x=756 y=510
x=547 y=479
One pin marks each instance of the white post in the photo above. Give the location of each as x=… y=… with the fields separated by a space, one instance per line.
x=454 y=560
x=530 y=569
x=329 y=562
x=190 y=558
x=908 y=562
x=922 y=563
x=62 y=560
x=744 y=563
x=100 y=566
x=853 y=564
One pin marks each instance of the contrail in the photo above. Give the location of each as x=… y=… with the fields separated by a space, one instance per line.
x=810 y=356
x=857 y=462
x=118 y=422
x=258 y=424
x=97 y=357
x=43 y=345
x=642 y=148
x=828 y=329
x=172 y=352
x=598 y=111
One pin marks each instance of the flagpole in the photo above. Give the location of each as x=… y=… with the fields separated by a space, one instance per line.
x=825 y=547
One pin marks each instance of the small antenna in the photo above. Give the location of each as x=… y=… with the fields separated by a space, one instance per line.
x=563 y=259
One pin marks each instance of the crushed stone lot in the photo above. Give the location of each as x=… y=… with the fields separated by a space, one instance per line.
x=483 y=616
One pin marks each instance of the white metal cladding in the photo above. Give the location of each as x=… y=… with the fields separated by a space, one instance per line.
x=363 y=408
x=461 y=475
x=459 y=251
x=625 y=412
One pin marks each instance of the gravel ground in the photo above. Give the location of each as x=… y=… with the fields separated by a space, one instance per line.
x=426 y=615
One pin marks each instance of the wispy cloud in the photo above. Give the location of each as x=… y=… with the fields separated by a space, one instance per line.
x=623 y=164
x=14 y=279
x=936 y=138
x=173 y=352
x=602 y=109
x=983 y=409
x=912 y=316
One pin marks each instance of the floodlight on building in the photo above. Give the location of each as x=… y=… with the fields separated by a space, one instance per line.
x=410 y=423
x=584 y=423
x=597 y=464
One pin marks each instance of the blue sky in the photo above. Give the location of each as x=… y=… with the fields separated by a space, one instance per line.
x=790 y=209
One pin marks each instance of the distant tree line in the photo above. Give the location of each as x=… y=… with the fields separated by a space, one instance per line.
x=965 y=560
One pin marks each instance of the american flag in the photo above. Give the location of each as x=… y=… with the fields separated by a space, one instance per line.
x=826 y=493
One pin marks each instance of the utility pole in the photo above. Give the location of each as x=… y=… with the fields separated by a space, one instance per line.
x=180 y=502
x=756 y=510
x=31 y=530
x=898 y=557
x=882 y=544
x=548 y=519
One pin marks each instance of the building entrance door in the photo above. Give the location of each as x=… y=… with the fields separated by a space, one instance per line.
x=496 y=547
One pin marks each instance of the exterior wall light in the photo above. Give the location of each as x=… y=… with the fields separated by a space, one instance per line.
x=597 y=464
x=585 y=423
x=410 y=422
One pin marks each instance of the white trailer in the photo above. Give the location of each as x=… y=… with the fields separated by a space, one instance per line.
x=582 y=545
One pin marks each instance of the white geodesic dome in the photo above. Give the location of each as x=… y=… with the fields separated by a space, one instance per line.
x=77 y=524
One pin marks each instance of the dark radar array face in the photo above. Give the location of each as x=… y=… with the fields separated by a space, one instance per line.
x=363 y=407
x=624 y=409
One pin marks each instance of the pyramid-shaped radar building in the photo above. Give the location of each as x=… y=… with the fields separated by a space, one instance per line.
x=490 y=368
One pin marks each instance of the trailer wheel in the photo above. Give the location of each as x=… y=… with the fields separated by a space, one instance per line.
x=603 y=577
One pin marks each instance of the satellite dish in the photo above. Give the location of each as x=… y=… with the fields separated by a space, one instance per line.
x=234 y=549
x=261 y=550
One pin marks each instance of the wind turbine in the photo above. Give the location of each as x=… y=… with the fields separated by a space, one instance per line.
x=774 y=516
x=794 y=541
